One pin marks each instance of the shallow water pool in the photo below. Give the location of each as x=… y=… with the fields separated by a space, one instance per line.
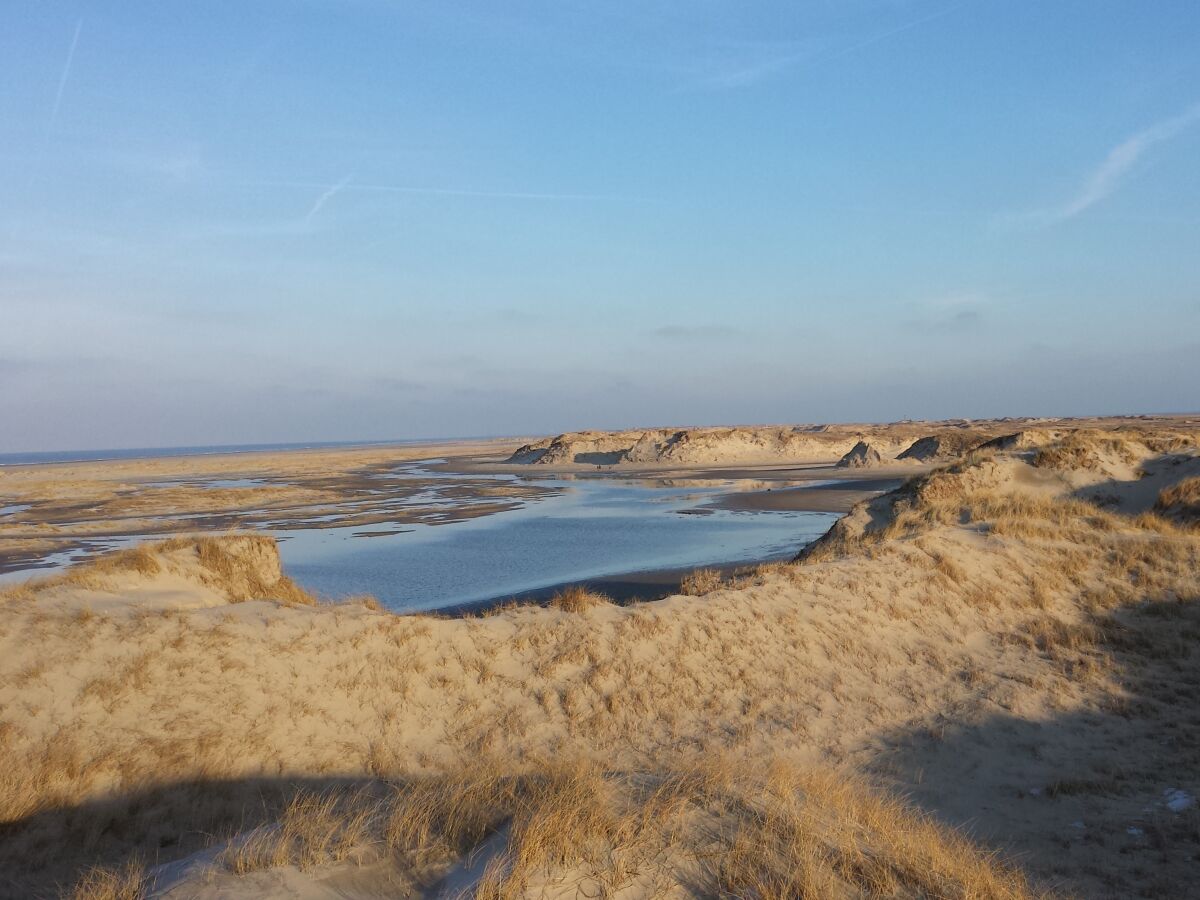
x=593 y=528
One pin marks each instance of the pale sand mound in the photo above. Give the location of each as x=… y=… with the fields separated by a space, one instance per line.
x=1014 y=658
x=184 y=573
x=861 y=456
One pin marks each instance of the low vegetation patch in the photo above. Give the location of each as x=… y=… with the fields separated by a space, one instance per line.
x=127 y=882
x=577 y=599
x=700 y=582
x=714 y=829
x=1181 y=501
x=1086 y=450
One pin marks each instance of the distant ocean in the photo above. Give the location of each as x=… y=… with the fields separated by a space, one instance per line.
x=62 y=456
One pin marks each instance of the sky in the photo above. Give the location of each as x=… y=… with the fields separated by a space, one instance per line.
x=288 y=220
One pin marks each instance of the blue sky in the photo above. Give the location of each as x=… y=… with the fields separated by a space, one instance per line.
x=272 y=220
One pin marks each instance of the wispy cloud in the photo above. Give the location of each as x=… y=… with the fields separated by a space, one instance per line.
x=771 y=62
x=880 y=36
x=1106 y=177
x=325 y=196
x=747 y=72
x=63 y=78
x=952 y=314
x=310 y=224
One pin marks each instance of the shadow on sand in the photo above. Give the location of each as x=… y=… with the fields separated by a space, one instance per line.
x=1099 y=801
x=1082 y=798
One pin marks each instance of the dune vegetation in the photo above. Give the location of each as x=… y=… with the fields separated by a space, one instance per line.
x=979 y=685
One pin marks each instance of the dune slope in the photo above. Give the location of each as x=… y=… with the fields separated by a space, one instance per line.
x=1011 y=642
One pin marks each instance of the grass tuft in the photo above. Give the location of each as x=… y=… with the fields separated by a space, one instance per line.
x=578 y=599
x=700 y=582
x=770 y=831
x=128 y=882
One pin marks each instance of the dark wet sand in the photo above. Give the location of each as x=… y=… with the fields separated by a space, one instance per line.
x=815 y=498
x=628 y=587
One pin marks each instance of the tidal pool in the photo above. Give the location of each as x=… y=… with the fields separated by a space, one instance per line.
x=594 y=527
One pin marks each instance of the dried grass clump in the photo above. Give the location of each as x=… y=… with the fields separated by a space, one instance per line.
x=141 y=560
x=1084 y=450
x=1050 y=634
x=1171 y=442
x=1180 y=501
x=245 y=567
x=498 y=609
x=315 y=829
x=718 y=828
x=820 y=835
x=756 y=575
x=1021 y=515
x=577 y=599
x=700 y=582
x=367 y=600
x=129 y=882
x=1030 y=516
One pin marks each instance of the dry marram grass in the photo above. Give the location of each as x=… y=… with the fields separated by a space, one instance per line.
x=985 y=629
x=576 y=599
x=700 y=582
x=783 y=832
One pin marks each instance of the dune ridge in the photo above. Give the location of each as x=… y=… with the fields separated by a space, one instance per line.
x=1011 y=641
x=905 y=442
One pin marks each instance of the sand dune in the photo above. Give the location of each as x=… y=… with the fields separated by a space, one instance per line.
x=861 y=456
x=1011 y=642
x=918 y=442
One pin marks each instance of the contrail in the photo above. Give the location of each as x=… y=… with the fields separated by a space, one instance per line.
x=892 y=32
x=1106 y=177
x=328 y=194
x=752 y=74
x=435 y=191
x=66 y=73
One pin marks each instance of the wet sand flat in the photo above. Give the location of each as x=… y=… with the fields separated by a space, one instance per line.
x=85 y=507
x=55 y=513
x=815 y=498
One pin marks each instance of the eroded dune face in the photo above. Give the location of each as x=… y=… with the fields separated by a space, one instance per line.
x=861 y=456
x=907 y=442
x=1011 y=642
